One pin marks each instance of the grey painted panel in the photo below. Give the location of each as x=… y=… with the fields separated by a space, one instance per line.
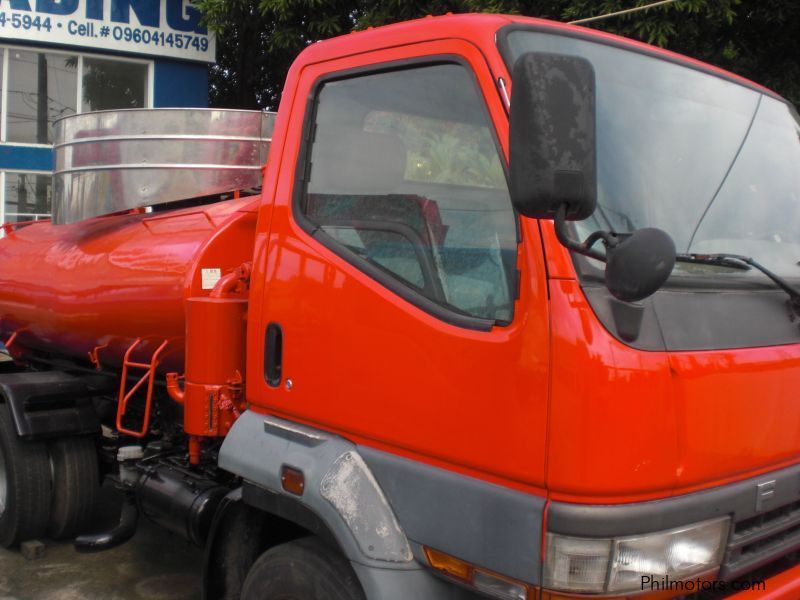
x=485 y=524
x=739 y=500
x=258 y=446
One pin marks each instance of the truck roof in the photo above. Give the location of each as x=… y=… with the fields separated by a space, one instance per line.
x=481 y=29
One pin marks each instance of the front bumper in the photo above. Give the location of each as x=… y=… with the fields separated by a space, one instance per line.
x=408 y=584
x=764 y=511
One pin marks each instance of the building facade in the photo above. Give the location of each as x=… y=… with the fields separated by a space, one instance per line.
x=62 y=57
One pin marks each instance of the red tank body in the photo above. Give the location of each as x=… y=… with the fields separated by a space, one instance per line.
x=89 y=290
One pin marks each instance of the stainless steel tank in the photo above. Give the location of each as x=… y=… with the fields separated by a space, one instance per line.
x=112 y=161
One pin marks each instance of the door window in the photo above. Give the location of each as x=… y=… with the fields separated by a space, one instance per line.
x=404 y=174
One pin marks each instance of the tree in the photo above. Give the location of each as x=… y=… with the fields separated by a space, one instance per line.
x=259 y=38
x=754 y=38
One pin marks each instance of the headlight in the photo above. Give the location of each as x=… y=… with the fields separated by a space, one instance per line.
x=618 y=565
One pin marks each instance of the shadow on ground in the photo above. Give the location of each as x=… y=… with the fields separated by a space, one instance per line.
x=154 y=565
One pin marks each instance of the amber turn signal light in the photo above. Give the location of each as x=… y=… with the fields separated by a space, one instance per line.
x=293 y=480
x=487 y=582
x=448 y=564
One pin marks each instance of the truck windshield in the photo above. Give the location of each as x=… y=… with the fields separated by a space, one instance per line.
x=714 y=163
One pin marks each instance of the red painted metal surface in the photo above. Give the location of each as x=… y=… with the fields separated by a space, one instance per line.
x=371 y=366
x=12 y=226
x=89 y=290
x=630 y=425
x=552 y=404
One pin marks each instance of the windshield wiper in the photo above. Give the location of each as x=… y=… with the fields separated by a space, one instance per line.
x=737 y=261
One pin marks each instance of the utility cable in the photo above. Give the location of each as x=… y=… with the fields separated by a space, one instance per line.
x=622 y=12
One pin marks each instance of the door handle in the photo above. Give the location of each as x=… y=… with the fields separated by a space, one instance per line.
x=273 y=354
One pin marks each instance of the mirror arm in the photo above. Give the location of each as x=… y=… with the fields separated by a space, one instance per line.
x=637 y=264
x=584 y=248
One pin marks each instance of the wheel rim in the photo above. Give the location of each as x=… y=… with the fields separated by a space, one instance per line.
x=3 y=483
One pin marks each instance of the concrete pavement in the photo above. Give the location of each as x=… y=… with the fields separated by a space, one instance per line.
x=154 y=565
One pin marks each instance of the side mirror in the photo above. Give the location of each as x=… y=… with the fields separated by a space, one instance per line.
x=639 y=264
x=553 y=170
x=552 y=136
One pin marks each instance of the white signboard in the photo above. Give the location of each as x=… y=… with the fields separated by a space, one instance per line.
x=168 y=28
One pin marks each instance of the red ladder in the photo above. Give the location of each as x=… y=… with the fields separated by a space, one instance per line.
x=148 y=376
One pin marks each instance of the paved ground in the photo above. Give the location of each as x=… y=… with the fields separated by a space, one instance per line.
x=154 y=565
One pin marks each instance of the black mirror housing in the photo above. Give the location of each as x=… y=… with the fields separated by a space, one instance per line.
x=639 y=264
x=552 y=136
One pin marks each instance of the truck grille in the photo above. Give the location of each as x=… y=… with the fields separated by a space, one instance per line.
x=760 y=539
x=761 y=574
x=760 y=547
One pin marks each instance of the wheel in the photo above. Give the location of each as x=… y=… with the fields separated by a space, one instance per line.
x=75 y=485
x=24 y=485
x=303 y=569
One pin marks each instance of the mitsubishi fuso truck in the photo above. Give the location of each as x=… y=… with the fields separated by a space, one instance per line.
x=492 y=307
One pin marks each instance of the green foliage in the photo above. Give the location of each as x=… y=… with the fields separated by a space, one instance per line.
x=260 y=38
x=454 y=158
x=442 y=151
x=659 y=25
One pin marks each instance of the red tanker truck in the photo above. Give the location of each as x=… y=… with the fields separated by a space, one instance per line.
x=514 y=315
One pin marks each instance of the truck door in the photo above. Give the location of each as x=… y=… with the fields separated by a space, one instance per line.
x=404 y=304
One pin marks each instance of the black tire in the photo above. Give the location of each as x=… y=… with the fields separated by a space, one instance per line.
x=24 y=485
x=303 y=569
x=75 y=486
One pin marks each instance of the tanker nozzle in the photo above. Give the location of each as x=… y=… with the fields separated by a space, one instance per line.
x=174 y=388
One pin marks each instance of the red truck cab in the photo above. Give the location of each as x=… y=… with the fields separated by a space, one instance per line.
x=612 y=433
x=442 y=381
